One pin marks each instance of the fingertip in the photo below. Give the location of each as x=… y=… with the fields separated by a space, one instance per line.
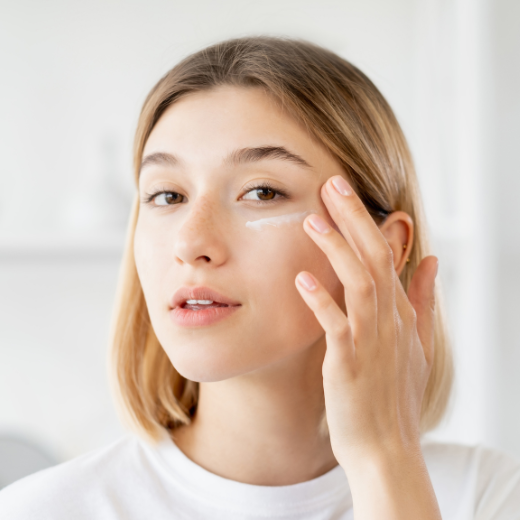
x=431 y=264
x=307 y=222
x=306 y=280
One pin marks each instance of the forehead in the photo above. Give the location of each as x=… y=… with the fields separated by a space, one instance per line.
x=213 y=123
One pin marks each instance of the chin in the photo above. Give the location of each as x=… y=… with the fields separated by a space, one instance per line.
x=207 y=368
x=202 y=374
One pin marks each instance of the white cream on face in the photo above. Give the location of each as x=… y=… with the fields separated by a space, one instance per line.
x=290 y=218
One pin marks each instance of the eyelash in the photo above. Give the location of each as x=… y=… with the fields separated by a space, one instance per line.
x=262 y=186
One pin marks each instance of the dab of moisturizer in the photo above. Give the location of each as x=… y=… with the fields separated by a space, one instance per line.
x=290 y=218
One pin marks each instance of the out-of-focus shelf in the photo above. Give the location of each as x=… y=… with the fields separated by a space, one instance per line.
x=62 y=247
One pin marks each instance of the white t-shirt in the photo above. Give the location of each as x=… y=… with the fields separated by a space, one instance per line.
x=133 y=480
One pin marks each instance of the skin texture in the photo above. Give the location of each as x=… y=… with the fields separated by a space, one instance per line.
x=269 y=371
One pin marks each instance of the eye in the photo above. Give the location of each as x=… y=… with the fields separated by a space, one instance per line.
x=265 y=193
x=164 y=198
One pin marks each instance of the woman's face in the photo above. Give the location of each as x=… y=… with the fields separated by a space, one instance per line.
x=208 y=152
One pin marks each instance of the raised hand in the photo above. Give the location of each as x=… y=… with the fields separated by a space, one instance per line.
x=378 y=360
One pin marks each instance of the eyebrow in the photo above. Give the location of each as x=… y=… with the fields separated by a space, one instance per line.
x=242 y=156
x=159 y=158
x=249 y=155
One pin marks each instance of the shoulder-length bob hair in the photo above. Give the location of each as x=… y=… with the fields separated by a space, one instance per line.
x=341 y=108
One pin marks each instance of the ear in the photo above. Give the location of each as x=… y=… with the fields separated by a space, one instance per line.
x=398 y=230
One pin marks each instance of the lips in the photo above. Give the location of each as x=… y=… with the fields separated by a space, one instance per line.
x=200 y=293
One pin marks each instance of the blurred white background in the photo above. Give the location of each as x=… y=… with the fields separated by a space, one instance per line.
x=73 y=77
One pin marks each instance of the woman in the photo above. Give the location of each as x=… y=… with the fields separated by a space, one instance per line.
x=276 y=342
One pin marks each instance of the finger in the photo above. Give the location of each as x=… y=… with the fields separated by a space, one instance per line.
x=360 y=291
x=335 y=323
x=362 y=234
x=421 y=294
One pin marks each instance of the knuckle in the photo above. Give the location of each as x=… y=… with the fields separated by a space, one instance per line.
x=366 y=287
x=321 y=301
x=326 y=304
x=358 y=209
x=340 y=330
x=385 y=257
x=410 y=315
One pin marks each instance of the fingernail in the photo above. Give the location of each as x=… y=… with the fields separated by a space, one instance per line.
x=306 y=281
x=341 y=185
x=319 y=224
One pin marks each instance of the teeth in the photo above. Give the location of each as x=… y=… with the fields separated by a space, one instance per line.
x=200 y=302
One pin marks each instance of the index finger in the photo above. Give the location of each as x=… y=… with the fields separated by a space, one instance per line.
x=359 y=229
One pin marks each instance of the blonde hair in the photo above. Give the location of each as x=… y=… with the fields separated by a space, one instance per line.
x=343 y=110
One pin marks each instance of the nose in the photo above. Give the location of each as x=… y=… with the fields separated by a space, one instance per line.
x=199 y=239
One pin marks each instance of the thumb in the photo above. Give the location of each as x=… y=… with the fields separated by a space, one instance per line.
x=421 y=294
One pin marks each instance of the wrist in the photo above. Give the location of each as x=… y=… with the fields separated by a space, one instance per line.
x=390 y=481
x=380 y=456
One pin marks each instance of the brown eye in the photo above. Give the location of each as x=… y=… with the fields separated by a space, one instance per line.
x=167 y=198
x=263 y=194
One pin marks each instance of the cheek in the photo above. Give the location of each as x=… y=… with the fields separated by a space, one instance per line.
x=142 y=254
x=273 y=263
x=263 y=266
x=151 y=261
x=281 y=254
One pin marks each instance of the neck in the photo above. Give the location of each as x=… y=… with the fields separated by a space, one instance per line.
x=263 y=428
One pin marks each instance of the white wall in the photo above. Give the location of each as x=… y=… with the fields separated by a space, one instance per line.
x=452 y=155
x=504 y=174
x=74 y=75
x=53 y=387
